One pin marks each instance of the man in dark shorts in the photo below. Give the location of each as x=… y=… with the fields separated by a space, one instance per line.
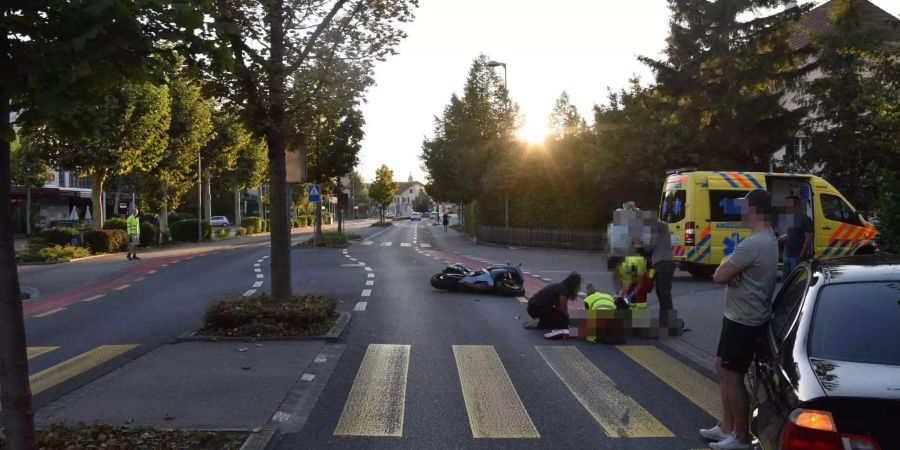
x=750 y=274
x=550 y=305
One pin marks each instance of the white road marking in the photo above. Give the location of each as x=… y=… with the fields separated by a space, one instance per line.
x=259 y=275
x=371 y=275
x=321 y=358
x=257 y=270
x=424 y=245
x=368 y=269
x=308 y=377
x=259 y=260
x=367 y=242
x=370 y=282
x=405 y=244
x=360 y=306
x=546 y=279
x=257 y=284
x=353 y=259
x=256 y=265
x=387 y=244
x=266 y=257
x=249 y=292
x=366 y=293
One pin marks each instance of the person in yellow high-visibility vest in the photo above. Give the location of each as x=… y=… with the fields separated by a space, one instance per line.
x=134 y=234
x=603 y=323
x=634 y=280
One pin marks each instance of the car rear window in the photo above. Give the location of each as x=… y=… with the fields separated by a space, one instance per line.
x=858 y=322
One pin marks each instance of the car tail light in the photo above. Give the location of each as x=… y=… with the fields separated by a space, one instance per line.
x=690 y=234
x=808 y=429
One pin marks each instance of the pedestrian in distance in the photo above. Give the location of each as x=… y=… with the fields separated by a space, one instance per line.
x=750 y=274
x=550 y=305
x=134 y=234
x=798 y=238
x=446 y=220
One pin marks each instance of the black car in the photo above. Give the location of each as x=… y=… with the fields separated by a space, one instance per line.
x=827 y=373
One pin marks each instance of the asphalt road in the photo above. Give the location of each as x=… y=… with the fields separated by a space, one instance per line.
x=432 y=369
x=422 y=367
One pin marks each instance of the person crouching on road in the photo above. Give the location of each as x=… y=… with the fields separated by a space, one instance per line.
x=134 y=234
x=550 y=305
x=750 y=273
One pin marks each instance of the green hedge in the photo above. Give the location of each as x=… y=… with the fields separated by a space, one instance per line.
x=105 y=241
x=253 y=224
x=240 y=231
x=59 y=235
x=148 y=234
x=115 y=223
x=186 y=230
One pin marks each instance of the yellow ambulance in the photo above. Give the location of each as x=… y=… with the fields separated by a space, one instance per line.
x=703 y=212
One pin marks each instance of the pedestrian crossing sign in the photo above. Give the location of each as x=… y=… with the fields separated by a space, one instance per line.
x=314 y=192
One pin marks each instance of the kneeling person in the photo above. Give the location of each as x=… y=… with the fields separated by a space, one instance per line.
x=550 y=305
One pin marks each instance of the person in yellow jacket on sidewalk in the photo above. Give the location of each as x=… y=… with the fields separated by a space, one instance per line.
x=134 y=234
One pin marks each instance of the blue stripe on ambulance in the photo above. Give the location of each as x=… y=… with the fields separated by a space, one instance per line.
x=752 y=180
x=728 y=179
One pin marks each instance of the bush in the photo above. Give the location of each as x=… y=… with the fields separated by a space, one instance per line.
x=148 y=234
x=264 y=225
x=186 y=230
x=240 y=231
x=105 y=241
x=223 y=233
x=252 y=224
x=331 y=239
x=302 y=315
x=59 y=235
x=326 y=218
x=888 y=212
x=115 y=223
x=177 y=217
x=63 y=253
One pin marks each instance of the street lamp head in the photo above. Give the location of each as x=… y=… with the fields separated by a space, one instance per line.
x=496 y=63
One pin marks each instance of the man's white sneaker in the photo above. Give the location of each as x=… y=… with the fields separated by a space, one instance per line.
x=732 y=443
x=715 y=433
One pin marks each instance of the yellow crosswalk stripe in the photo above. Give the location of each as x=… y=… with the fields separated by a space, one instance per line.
x=522 y=299
x=375 y=405
x=618 y=414
x=72 y=367
x=494 y=407
x=34 y=352
x=699 y=389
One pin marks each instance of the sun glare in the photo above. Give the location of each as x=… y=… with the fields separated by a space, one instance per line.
x=533 y=132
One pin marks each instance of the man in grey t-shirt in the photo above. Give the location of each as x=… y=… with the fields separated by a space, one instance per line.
x=664 y=265
x=750 y=273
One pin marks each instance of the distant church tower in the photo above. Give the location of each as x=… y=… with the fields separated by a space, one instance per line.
x=410 y=178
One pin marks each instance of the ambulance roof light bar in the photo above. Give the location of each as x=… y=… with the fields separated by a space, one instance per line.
x=681 y=170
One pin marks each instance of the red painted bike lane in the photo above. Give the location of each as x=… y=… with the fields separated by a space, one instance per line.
x=66 y=298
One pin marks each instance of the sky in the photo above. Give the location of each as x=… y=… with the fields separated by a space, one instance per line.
x=581 y=46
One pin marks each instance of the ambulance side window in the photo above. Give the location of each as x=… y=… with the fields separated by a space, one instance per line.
x=671 y=208
x=725 y=206
x=834 y=208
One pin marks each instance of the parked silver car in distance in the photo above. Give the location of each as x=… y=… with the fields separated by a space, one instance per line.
x=219 y=221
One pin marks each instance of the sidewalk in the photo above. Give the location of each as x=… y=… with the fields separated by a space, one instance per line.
x=193 y=385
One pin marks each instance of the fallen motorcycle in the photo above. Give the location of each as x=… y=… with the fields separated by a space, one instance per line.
x=500 y=280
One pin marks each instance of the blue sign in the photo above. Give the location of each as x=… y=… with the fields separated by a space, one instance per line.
x=731 y=205
x=314 y=192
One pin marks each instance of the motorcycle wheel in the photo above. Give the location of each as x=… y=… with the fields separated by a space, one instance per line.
x=441 y=281
x=510 y=288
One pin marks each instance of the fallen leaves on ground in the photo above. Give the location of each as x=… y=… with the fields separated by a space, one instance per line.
x=99 y=436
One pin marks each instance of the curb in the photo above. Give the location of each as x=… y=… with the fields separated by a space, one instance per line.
x=262 y=440
x=334 y=334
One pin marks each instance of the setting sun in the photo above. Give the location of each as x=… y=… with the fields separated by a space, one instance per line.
x=533 y=132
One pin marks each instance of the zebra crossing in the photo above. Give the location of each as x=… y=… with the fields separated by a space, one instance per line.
x=67 y=369
x=375 y=404
x=399 y=244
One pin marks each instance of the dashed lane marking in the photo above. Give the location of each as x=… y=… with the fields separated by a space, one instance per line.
x=139 y=279
x=387 y=244
x=47 y=313
x=257 y=284
x=370 y=275
x=34 y=352
x=360 y=306
x=249 y=292
x=256 y=265
x=697 y=388
x=73 y=367
x=124 y=286
x=151 y=271
x=405 y=244
x=375 y=405
x=366 y=293
x=257 y=270
x=618 y=414
x=93 y=297
x=493 y=405
x=424 y=245
x=367 y=242
x=368 y=269
x=370 y=282
x=259 y=275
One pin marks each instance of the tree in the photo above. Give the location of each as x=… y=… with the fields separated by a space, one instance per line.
x=420 y=203
x=383 y=189
x=53 y=55
x=565 y=121
x=475 y=134
x=249 y=169
x=724 y=78
x=220 y=154
x=189 y=131
x=123 y=130
x=29 y=170
x=271 y=45
x=855 y=104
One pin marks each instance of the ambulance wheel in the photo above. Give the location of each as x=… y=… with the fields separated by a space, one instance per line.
x=705 y=272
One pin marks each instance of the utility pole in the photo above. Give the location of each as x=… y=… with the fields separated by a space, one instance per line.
x=199 y=197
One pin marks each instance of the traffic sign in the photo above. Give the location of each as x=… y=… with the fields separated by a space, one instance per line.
x=314 y=192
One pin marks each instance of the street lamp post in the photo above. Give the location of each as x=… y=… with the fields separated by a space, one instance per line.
x=505 y=191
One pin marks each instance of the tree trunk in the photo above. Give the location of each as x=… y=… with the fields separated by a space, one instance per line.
x=28 y=211
x=340 y=206
x=15 y=390
x=117 y=197
x=99 y=176
x=318 y=229
x=163 y=212
x=280 y=235
x=237 y=205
